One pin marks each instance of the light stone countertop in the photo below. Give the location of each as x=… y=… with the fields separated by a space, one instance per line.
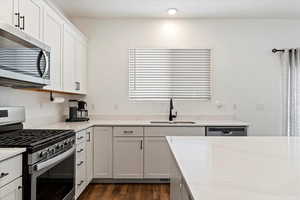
x=6 y=153
x=239 y=168
x=77 y=126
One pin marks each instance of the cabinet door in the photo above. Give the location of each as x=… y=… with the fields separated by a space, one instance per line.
x=53 y=28
x=12 y=191
x=157 y=158
x=7 y=11
x=103 y=152
x=31 y=17
x=128 y=157
x=89 y=155
x=68 y=60
x=81 y=65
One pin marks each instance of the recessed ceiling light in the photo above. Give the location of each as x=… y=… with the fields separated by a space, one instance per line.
x=172 y=11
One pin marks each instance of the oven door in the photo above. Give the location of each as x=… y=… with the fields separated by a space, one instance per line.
x=54 y=179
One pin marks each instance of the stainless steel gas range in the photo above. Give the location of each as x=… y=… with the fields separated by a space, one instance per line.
x=49 y=162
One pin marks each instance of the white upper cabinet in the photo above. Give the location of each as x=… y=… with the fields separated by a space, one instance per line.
x=53 y=30
x=31 y=17
x=68 y=59
x=7 y=11
x=81 y=66
x=69 y=45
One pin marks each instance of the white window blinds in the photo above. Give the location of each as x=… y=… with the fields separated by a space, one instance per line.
x=157 y=74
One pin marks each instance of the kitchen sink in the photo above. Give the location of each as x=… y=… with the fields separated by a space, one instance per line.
x=172 y=122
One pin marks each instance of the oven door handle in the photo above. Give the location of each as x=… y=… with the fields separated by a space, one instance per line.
x=54 y=160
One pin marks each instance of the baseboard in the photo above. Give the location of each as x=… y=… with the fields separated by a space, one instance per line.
x=97 y=180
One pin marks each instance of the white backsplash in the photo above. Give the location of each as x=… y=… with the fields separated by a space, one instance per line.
x=39 y=109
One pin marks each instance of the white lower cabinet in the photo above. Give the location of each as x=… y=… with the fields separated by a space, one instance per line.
x=128 y=157
x=12 y=191
x=103 y=148
x=157 y=158
x=80 y=164
x=128 y=150
x=89 y=154
x=11 y=178
x=157 y=152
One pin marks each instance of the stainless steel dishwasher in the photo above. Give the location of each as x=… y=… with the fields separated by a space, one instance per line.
x=226 y=131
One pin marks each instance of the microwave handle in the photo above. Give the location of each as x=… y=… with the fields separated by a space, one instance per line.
x=47 y=64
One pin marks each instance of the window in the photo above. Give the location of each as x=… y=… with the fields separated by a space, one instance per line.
x=158 y=74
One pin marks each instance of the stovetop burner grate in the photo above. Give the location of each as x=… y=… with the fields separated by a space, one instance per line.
x=30 y=137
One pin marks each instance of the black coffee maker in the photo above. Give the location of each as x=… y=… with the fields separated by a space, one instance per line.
x=77 y=111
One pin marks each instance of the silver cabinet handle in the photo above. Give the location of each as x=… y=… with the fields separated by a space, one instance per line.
x=141 y=145
x=23 y=22
x=128 y=132
x=77 y=85
x=2 y=175
x=79 y=164
x=79 y=151
x=79 y=138
x=79 y=184
x=89 y=137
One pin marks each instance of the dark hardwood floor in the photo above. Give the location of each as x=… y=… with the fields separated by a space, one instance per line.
x=126 y=192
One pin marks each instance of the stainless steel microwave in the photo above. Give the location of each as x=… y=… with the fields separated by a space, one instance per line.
x=24 y=60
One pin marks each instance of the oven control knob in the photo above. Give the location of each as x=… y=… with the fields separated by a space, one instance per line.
x=43 y=154
x=57 y=146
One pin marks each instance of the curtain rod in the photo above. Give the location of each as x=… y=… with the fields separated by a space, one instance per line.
x=277 y=50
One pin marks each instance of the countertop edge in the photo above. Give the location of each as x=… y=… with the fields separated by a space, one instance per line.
x=10 y=153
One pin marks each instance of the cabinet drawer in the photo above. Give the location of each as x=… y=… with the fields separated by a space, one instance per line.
x=10 y=169
x=12 y=191
x=80 y=136
x=174 y=131
x=80 y=153
x=128 y=131
x=80 y=179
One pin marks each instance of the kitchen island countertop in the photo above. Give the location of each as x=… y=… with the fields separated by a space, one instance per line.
x=239 y=168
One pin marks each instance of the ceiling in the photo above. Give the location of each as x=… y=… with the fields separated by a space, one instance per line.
x=187 y=8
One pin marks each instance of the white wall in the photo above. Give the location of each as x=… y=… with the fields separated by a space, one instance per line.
x=39 y=109
x=246 y=74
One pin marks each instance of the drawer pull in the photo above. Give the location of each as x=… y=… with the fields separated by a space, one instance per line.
x=128 y=132
x=89 y=137
x=2 y=175
x=79 y=138
x=79 y=164
x=81 y=150
x=79 y=184
x=19 y=187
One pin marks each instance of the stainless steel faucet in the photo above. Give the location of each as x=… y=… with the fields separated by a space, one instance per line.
x=171 y=116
